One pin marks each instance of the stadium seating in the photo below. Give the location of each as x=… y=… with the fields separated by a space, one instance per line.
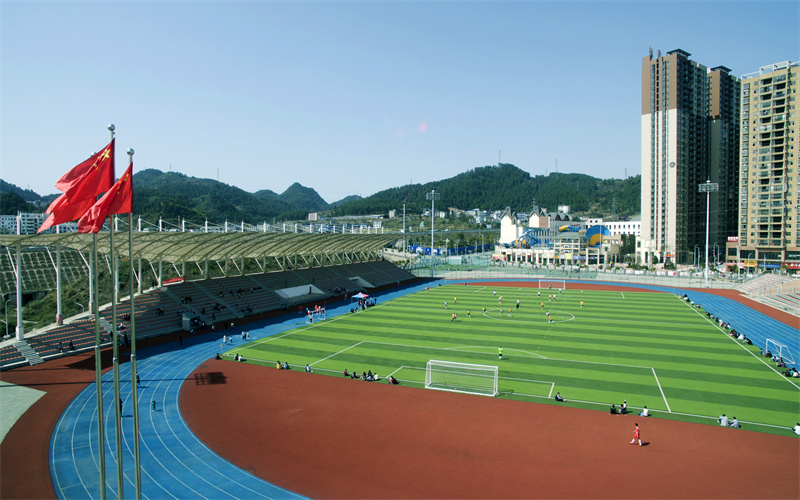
x=160 y=310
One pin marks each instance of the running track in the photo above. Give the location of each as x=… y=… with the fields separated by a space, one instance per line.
x=175 y=464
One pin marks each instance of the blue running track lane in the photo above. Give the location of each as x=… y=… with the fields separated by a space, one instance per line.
x=175 y=464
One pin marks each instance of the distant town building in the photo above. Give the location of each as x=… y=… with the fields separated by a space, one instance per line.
x=29 y=223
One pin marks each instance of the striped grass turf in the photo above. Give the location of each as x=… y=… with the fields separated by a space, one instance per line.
x=651 y=349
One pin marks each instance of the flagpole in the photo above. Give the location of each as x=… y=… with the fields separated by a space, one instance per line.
x=134 y=373
x=98 y=372
x=115 y=343
x=115 y=333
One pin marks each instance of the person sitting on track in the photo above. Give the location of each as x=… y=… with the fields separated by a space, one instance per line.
x=344 y=373
x=645 y=412
x=286 y=366
x=612 y=410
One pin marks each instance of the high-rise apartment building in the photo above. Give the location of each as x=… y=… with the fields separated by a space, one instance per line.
x=690 y=133
x=769 y=196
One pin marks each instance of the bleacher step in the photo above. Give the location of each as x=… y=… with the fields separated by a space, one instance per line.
x=27 y=351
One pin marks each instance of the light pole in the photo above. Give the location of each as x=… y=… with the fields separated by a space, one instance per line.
x=708 y=188
x=696 y=255
x=5 y=309
x=716 y=254
x=433 y=196
x=5 y=323
x=83 y=309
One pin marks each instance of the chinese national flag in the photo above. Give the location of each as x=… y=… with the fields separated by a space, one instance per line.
x=117 y=200
x=90 y=178
x=62 y=210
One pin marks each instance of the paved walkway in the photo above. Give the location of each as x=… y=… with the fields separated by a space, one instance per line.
x=175 y=464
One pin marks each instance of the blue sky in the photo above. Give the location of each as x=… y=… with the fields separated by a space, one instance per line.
x=352 y=97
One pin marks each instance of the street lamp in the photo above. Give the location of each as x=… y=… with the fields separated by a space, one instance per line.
x=708 y=188
x=717 y=251
x=433 y=196
x=696 y=255
x=83 y=310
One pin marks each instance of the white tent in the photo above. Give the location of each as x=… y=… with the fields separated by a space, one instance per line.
x=359 y=296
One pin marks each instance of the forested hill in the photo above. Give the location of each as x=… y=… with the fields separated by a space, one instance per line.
x=497 y=187
x=172 y=195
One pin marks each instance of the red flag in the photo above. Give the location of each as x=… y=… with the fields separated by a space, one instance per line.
x=62 y=210
x=90 y=178
x=116 y=201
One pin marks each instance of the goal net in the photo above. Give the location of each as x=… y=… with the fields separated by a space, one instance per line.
x=780 y=350
x=554 y=284
x=461 y=377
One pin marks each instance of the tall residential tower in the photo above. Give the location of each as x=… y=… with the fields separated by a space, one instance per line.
x=690 y=132
x=769 y=197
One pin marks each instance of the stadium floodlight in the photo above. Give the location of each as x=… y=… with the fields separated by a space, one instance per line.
x=461 y=377
x=433 y=196
x=708 y=187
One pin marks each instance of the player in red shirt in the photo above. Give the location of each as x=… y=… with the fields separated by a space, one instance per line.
x=636 y=436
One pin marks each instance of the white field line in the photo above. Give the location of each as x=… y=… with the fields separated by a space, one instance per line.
x=579 y=400
x=623 y=295
x=483 y=349
x=337 y=353
x=713 y=323
x=662 y=391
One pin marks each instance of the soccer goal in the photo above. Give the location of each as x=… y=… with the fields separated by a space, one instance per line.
x=554 y=284
x=461 y=377
x=780 y=350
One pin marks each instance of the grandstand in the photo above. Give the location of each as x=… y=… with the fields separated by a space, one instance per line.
x=201 y=303
x=39 y=269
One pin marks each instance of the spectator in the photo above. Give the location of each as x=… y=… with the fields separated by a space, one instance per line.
x=623 y=410
x=559 y=398
x=645 y=412
x=345 y=373
x=612 y=410
x=723 y=421
x=308 y=368
x=735 y=423
x=796 y=429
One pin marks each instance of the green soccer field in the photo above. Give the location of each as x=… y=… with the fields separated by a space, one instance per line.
x=650 y=349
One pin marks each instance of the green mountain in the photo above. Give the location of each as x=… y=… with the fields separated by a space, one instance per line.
x=497 y=187
x=173 y=196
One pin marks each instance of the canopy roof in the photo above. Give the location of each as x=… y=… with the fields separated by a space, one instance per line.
x=177 y=247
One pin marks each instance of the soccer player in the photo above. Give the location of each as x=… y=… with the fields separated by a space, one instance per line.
x=484 y=311
x=501 y=311
x=542 y=306
x=455 y=300
x=500 y=353
x=517 y=303
x=636 y=435
x=468 y=311
x=445 y=304
x=581 y=304
x=454 y=317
